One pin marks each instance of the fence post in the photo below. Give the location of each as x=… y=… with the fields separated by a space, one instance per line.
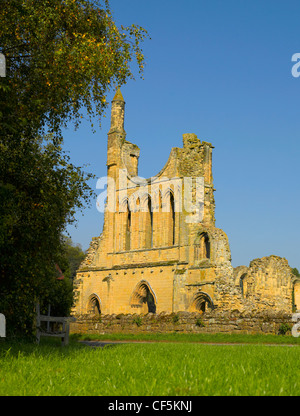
x=38 y=323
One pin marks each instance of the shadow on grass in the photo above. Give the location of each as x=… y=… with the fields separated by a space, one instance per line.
x=226 y=338
x=24 y=347
x=53 y=346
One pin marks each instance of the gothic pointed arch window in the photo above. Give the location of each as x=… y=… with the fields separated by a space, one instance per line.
x=206 y=246
x=143 y=298
x=128 y=228
x=172 y=219
x=202 y=247
x=169 y=209
x=149 y=224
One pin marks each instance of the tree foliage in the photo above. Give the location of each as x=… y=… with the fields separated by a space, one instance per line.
x=62 y=58
x=73 y=255
x=39 y=194
x=59 y=295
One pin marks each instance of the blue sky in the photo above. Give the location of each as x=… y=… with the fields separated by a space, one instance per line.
x=222 y=70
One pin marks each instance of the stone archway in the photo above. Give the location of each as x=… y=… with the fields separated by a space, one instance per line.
x=201 y=303
x=143 y=298
x=94 y=305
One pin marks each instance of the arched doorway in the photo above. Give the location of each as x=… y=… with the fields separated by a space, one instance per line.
x=94 y=305
x=143 y=298
x=202 y=302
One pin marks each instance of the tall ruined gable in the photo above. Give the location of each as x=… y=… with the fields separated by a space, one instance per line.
x=160 y=250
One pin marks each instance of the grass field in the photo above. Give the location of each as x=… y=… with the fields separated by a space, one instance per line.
x=150 y=369
x=193 y=337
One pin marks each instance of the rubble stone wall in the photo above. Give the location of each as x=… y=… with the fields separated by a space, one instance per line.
x=183 y=322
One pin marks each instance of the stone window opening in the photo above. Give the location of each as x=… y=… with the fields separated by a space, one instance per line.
x=149 y=225
x=202 y=247
x=243 y=284
x=172 y=206
x=133 y=163
x=94 y=306
x=168 y=207
x=128 y=229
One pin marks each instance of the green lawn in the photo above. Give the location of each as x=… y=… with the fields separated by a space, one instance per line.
x=154 y=369
x=192 y=337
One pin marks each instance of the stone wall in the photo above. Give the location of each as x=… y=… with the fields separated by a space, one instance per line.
x=158 y=233
x=267 y=284
x=160 y=246
x=183 y=322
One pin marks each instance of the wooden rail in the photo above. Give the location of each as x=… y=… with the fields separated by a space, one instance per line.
x=57 y=326
x=2 y=326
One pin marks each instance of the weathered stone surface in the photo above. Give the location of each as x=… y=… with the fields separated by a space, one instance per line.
x=160 y=257
x=213 y=322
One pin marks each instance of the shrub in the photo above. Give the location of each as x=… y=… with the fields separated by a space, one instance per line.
x=200 y=323
x=283 y=329
x=138 y=321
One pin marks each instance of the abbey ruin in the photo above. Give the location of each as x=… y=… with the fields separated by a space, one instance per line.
x=160 y=250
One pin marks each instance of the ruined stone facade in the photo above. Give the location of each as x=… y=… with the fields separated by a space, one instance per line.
x=160 y=250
